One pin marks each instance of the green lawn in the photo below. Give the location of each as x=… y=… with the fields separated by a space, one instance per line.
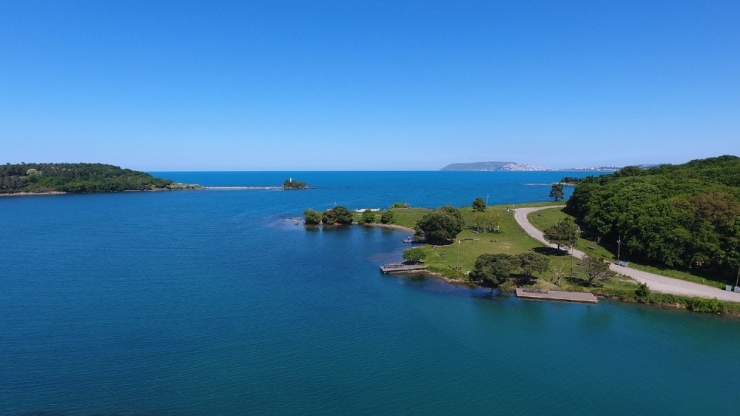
x=549 y=217
x=510 y=239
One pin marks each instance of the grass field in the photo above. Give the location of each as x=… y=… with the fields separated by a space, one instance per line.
x=455 y=260
x=549 y=217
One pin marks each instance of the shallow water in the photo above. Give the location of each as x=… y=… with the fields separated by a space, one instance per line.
x=214 y=302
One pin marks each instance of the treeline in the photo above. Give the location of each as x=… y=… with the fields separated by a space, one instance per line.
x=681 y=216
x=75 y=178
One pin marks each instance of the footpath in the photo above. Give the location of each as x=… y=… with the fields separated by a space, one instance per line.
x=655 y=282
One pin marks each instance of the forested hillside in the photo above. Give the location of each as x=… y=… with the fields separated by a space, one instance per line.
x=75 y=178
x=681 y=216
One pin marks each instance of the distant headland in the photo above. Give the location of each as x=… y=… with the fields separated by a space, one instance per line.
x=523 y=167
x=75 y=178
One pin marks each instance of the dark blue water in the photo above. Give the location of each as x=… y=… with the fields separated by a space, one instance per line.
x=214 y=302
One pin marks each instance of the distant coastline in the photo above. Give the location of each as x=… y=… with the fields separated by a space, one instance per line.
x=79 y=178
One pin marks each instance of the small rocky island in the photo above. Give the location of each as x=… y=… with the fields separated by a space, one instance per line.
x=291 y=184
x=46 y=178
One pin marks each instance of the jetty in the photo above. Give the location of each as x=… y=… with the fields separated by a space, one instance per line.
x=400 y=267
x=544 y=294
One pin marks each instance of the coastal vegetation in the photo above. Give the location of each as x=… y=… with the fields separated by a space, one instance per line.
x=292 y=184
x=684 y=217
x=338 y=215
x=78 y=178
x=529 y=263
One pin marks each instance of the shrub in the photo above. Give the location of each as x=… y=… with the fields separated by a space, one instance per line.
x=642 y=291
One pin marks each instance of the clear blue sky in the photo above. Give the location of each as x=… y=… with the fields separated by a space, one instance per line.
x=367 y=85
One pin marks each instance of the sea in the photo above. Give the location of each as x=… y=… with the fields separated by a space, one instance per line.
x=219 y=302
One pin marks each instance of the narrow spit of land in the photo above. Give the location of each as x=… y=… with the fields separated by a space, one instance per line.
x=655 y=282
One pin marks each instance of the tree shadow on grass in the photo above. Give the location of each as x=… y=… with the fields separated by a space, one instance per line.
x=579 y=281
x=550 y=251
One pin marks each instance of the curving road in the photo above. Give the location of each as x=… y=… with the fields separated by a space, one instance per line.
x=655 y=282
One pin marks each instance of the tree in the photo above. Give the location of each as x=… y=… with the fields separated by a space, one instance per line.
x=556 y=192
x=337 y=215
x=386 y=217
x=368 y=217
x=595 y=267
x=533 y=263
x=493 y=269
x=487 y=221
x=311 y=217
x=479 y=205
x=558 y=272
x=564 y=233
x=440 y=226
x=414 y=255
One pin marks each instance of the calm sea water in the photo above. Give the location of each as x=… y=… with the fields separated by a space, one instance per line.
x=214 y=302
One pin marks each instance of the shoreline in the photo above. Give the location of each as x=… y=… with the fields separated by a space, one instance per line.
x=34 y=193
x=388 y=226
x=181 y=188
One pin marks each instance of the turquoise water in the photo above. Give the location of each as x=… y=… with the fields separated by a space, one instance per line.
x=214 y=302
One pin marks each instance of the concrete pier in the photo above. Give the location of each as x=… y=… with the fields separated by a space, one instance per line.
x=544 y=294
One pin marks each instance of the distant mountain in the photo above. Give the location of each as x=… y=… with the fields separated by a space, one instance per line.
x=492 y=166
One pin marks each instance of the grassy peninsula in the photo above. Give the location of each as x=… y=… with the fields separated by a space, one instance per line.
x=455 y=262
x=39 y=178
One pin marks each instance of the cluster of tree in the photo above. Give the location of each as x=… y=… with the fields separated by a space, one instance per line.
x=337 y=215
x=291 y=184
x=495 y=269
x=675 y=215
x=571 y=180
x=75 y=178
x=401 y=205
x=440 y=226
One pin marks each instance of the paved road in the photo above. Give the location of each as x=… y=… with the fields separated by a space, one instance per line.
x=655 y=282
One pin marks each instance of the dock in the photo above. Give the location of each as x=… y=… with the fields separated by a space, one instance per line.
x=544 y=294
x=400 y=267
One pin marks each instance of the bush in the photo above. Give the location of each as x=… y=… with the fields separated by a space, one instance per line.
x=706 y=305
x=642 y=291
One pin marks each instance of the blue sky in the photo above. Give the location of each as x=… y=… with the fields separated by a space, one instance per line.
x=367 y=85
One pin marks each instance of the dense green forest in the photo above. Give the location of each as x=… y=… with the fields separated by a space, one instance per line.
x=680 y=216
x=75 y=178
